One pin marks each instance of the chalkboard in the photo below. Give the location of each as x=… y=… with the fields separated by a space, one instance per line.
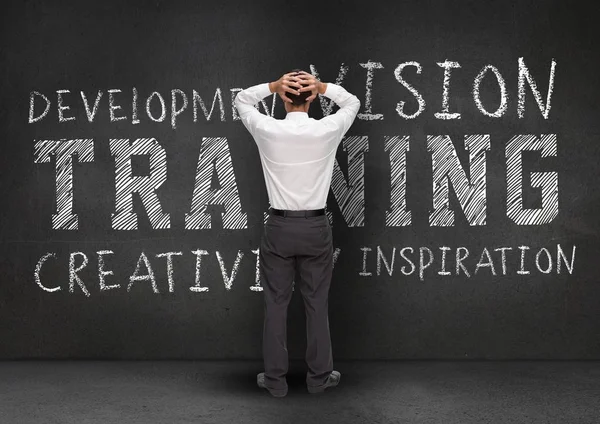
x=464 y=198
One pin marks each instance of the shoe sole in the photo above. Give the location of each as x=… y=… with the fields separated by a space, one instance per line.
x=274 y=392
x=321 y=389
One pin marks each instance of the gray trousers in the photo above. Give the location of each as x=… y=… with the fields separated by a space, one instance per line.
x=289 y=244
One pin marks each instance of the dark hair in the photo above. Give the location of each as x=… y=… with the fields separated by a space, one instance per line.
x=300 y=99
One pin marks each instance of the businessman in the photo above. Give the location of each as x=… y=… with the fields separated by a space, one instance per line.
x=297 y=156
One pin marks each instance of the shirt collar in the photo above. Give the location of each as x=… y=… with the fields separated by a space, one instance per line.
x=296 y=115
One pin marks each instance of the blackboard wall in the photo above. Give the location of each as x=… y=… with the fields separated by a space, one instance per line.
x=377 y=309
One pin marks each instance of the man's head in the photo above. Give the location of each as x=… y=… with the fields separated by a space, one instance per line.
x=299 y=103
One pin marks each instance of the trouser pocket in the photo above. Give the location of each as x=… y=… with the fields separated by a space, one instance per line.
x=325 y=232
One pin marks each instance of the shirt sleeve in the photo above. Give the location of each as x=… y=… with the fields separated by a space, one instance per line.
x=245 y=101
x=348 y=103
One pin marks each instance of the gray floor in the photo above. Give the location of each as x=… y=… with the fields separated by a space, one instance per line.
x=370 y=392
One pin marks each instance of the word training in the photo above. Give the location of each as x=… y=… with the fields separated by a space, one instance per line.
x=215 y=158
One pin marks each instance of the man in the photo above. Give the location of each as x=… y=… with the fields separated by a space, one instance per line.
x=297 y=155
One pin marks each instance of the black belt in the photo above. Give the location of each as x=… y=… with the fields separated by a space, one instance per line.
x=297 y=214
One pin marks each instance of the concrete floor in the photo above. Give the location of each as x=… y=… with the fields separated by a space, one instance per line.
x=169 y=392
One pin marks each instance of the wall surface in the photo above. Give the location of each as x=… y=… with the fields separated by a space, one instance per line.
x=464 y=198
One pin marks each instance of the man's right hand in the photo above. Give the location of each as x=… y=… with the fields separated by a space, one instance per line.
x=310 y=83
x=288 y=83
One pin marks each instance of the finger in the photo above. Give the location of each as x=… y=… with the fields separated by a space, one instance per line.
x=290 y=90
x=311 y=98
x=307 y=88
x=308 y=81
x=294 y=84
x=311 y=87
x=305 y=76
x=293 y=80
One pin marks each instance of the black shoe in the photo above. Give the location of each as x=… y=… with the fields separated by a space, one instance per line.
x=332 y=380
x=260 y=380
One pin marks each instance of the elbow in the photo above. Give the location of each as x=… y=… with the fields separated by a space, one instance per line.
x=356 y=104
x=237 y=101
x=242 y=98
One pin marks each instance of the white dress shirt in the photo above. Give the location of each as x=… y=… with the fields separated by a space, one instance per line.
x=297 y=153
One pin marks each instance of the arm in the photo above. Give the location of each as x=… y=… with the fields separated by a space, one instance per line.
x=348 y=103
x=245 y=101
